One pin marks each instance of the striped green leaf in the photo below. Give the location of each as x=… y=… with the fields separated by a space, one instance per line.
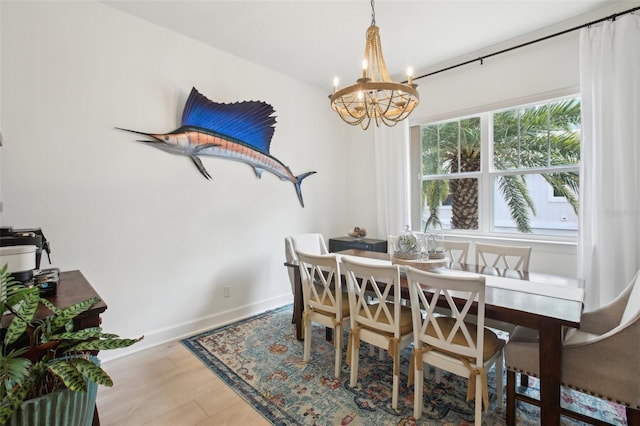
x=93 y=372
x=99 y=345
x=86 y=333
x=24 y=315
x=67 y=314
x=67 y=371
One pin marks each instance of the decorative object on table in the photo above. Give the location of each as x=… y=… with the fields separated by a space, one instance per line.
x=374 y=96
x=261 y=360
x=47 y=281
x=358 y=232
x=434 y=238
x=422 y=263
x=239 y=131
x=407 y=246
x=39 y=358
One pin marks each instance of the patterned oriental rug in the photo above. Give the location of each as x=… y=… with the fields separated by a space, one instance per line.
x=261 y=360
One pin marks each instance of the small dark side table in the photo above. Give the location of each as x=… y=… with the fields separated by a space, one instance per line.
x=351 y=243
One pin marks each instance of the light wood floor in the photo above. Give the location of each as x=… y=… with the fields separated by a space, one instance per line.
x=167 y=385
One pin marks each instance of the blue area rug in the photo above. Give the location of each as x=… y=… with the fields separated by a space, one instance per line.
x=261 y=360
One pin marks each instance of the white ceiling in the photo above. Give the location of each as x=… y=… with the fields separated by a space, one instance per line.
x=315 y=41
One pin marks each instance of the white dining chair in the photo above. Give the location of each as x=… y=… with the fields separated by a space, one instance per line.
x=324 y=300
x=309 y=243
x=503 y=256
x=457 y=251
x=386 y=324
x=449 y=342
x=508 y=257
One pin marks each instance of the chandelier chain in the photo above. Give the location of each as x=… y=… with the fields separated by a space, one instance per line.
x=373 y=14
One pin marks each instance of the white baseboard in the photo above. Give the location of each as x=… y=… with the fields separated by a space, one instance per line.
x=186 y=329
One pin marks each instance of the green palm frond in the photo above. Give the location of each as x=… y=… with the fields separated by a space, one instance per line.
x=13 y=370
x=565 y=184
x=515 y=192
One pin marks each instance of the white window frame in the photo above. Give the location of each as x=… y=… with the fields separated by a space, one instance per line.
x=488 y=172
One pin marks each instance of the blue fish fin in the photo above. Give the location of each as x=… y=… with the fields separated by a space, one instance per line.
x=297 y=184
x=200 y=166
x=251 y=122
x=258 y=171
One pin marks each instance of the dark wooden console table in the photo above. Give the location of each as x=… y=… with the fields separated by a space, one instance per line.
x=73 y=287
x=351 y=243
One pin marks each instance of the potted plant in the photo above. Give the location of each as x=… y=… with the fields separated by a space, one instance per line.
x=39 y=357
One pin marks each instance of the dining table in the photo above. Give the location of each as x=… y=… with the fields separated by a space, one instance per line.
x=541 y=301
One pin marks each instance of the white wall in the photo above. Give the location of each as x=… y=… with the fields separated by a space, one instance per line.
x=155 y=239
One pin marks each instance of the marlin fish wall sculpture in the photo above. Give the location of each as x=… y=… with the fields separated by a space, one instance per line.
x=239 y=131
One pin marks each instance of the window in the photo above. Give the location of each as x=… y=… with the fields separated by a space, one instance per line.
x=508 y=171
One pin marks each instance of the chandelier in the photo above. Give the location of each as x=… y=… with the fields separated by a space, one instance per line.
x=374 y=96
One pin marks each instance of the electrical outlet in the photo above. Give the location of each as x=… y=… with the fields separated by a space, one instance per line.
x=227 y=291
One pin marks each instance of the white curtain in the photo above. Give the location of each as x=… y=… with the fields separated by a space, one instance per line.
x=392 y=178
x=609 y=242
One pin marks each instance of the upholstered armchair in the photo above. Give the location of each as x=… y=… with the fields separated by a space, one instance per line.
x=601 y=358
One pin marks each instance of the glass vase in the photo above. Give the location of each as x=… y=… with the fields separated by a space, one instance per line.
x=434 y=238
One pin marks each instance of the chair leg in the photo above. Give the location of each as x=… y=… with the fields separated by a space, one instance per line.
x=499 y=384
x=511 y=398
x=307 y=341
x=418 y=385
x=355 y=355
x=396 y=378
x=633 y=417
x=394 y=395
x=337 y=343
x=478 y=401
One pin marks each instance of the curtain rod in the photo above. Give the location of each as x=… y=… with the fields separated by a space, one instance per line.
x=482 y=58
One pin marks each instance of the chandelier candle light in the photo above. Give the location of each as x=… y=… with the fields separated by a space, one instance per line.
x=375 y=96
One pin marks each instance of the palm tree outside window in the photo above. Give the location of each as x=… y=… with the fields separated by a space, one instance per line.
x=509 y=159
